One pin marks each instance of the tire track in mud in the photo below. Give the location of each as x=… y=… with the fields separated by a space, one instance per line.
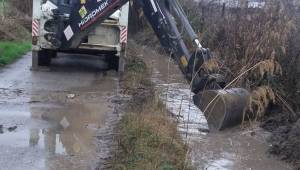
x=106 y=136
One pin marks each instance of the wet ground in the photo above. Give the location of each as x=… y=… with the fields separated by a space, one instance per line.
x=233 y=149
x=62 y=118
x=54 y=118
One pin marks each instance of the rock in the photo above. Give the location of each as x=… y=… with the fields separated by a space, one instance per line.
x=71 y=96
x=64 y=123
x=204 y=130
x=13 y=128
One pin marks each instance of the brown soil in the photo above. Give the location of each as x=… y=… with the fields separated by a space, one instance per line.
x=15 y=24
x=12 y=29
x=285 y=138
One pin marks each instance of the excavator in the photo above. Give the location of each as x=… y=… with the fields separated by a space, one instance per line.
x=223 y=108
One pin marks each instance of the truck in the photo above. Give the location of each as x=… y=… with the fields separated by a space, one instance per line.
x=107 y=38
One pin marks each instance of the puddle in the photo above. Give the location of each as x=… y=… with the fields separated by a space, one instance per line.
x=178 y=100
x=53 y=130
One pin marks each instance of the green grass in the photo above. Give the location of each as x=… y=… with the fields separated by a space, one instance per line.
x=10 y=51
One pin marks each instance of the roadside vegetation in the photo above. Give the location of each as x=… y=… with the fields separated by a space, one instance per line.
x=148 y=137
x=14 y=31
x=9 y=51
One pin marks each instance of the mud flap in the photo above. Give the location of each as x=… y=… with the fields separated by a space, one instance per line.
x=35 y=61
x=122 y=63
x=42 y=58
x=122 y=59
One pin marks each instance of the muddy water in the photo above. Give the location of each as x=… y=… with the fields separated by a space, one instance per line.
x=233 y=149
x=58 y=113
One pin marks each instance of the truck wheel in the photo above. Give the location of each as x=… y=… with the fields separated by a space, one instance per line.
x=44 y=57
x=113 y=62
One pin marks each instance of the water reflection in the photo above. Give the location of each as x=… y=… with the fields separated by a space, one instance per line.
x=68 y=142
x=53 y=136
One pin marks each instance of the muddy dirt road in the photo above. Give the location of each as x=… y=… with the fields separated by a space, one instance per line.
x=233 y=149
x=52 y=119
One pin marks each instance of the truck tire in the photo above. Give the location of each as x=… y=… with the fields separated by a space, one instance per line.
x=44 y=57
x=113 y=62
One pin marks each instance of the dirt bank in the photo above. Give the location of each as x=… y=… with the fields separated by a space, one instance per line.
x=285 y=138
x=15 y=25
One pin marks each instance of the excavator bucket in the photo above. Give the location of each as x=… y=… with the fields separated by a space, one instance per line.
x=222 y=108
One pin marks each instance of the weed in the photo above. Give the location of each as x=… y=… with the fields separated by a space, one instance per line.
x=258 y=102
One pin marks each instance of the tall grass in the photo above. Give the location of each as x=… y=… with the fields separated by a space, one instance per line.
x=10 y=51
